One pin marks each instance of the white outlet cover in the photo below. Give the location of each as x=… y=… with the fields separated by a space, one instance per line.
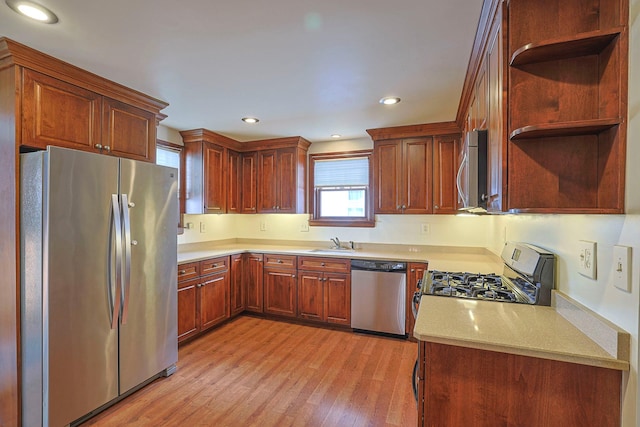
x=621 y=267
x=587 y=258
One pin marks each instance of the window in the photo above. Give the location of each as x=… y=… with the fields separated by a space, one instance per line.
x=339 y=185
x=169 y=154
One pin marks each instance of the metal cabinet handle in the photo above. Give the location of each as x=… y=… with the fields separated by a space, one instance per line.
x=279 y=261
x=293 y=276
x=98 y=146
x=274 y=207
x=107 y=148
x=404 y=207
x=215 y=265
x=413 y=269
x=183 y=271
x=437 y=207
x=322 y=264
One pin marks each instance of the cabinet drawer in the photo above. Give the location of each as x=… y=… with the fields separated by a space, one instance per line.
x=214 y=265
x=280 y=261
x=338 y=265
x=188 y=271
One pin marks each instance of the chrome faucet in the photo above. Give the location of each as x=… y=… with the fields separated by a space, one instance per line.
x=336 y=242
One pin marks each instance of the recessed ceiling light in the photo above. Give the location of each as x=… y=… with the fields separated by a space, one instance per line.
x=389 y=100
x=33 y=10
x=250 y=120
x=336 y=135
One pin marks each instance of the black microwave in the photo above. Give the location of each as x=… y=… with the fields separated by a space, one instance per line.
x=471 y=180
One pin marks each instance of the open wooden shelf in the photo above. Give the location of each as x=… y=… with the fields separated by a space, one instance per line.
x=590 y=43
x=549 y=130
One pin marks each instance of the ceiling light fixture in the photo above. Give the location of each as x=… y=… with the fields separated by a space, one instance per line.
x=389 y=100
x=250 y=120
x=32 y=10
x=336 y=135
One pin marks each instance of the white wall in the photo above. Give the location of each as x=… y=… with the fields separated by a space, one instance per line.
x=169 y=134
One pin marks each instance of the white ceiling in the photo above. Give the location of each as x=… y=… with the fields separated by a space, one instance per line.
x=308 y=68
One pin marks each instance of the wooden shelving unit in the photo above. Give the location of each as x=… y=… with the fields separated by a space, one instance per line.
x=567 y=106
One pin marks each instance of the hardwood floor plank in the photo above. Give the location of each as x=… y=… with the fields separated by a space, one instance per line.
x=258 y=372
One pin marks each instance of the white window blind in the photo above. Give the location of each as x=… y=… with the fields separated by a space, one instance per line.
x=167 y=157
x=341 y=172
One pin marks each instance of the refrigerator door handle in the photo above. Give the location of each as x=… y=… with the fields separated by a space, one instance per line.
x=126 y=232
x=115 y=284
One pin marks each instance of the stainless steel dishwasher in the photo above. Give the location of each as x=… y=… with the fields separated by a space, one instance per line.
x=378 y=296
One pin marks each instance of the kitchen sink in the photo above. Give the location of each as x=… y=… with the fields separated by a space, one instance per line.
x=333 y=251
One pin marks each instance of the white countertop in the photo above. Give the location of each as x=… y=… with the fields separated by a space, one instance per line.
x=528 y=330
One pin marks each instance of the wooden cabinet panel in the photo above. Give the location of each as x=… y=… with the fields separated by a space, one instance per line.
x=128 y=131
x=234 y=182
x=280 y=292
x=337 y=298
x=214 y=265
x=267 y=178
x=214 y=300
x=403 y=176
x=59 y=113
x=249 y=182
x=188 y=319
x=280 y=261
x=445 y=167
x=215 y=182
x=311 y=296
x=286 y=180
x=466 y=386
x=417 y=176
x=253 y=281
x=237 y=288
x=188 y=271
x=415 y=272
x=324 y=264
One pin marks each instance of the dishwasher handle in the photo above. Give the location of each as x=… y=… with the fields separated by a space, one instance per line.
x=371 y=265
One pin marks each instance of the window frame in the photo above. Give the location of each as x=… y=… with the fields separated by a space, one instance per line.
x=182 y=175
x=314 y=194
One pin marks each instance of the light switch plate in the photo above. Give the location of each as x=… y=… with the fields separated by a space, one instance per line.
x=622 y=268
x=587 y=258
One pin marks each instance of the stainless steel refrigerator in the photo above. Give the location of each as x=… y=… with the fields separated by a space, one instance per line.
x=99 y=269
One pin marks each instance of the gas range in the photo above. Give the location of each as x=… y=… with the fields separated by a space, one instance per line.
x=528 y=277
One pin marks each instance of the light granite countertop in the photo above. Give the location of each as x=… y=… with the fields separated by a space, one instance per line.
x=449 y=258
x=522 y=329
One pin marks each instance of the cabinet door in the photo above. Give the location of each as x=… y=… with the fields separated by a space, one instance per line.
x=311 y=296
x=337 y=295
x=280 y=296
x=234 y=180
x=215 y=182
x=387 y=177
x=60 y=114
x=267 y=181
x=253 y=278
x=495 y=150
x=237 y=298
x=128 y=131
x=214 y=300
x=416 y=175
x=445 y=164
x=287 y=187
x=416 y=271
x=188 y=320
x=249 y=182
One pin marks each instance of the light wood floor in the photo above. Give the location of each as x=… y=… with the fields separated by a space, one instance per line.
x=257 y=372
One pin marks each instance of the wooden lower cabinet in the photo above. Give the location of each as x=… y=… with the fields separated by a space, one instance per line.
x=337 y=298
x=311 y=296
x=237 y=294
x=461 y=386
x=280 y=292
x=253 y=279
x=415 y=272
x=204 y=289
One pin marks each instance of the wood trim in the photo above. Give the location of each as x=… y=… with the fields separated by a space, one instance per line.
x=9 y=250
x=197 y=135
x=411 y=131
x=487 y=14
x=12 y=52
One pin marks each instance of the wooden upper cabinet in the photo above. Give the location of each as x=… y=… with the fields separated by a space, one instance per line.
x=128 y=131
x=281 y=180
x=58 y=113
x=249 y=172
x=445 y=167
x=402 y=175
x=215 y=183
x=65 y=106
x=234 y=181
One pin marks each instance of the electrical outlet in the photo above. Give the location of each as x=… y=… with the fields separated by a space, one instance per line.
x=203 y=227
x=587 y=259
x=304 y=227
x=622 y=268
x=425 y=228
x=263 y=226
x=188 y=225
